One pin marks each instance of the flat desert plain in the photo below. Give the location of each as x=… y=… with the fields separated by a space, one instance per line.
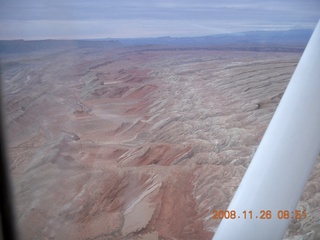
x=139 y=142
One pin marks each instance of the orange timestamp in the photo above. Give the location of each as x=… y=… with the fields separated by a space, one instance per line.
x=263 y=214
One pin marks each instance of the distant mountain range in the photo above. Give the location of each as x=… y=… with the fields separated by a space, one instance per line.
x=22 y=46
x=300 y=36
x=243 y=40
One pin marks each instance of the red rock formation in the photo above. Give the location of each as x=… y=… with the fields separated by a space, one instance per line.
x=126 y=145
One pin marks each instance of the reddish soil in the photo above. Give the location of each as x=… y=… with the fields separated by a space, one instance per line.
x=119 y=144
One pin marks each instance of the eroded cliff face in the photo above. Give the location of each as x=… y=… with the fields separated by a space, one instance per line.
x=133 y=144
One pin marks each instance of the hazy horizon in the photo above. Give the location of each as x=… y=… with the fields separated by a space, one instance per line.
x=82 y=19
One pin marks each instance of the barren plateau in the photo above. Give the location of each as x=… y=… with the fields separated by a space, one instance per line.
x=128 y=143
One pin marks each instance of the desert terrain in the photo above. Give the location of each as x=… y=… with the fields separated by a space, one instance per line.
x=139 y=142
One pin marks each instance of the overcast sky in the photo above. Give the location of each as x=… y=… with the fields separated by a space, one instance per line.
x=74 y=19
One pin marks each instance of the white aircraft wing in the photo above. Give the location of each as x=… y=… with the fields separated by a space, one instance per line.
x=266 y=199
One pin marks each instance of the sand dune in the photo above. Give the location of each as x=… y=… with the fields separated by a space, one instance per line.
x=124 y=144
